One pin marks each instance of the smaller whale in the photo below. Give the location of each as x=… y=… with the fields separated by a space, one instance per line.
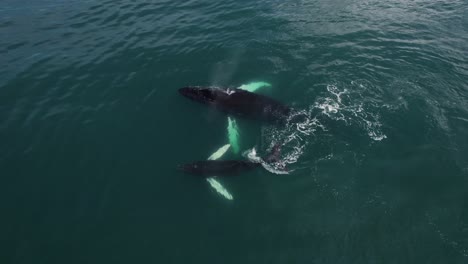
x=239 y=102
x=209 y=168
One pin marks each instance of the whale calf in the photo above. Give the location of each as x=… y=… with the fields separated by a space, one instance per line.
x=209 y=168
x=238 y=102
x=218 y=167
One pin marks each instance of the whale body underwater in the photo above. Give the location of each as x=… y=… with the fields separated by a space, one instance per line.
x=239 y=103
x=209 y=168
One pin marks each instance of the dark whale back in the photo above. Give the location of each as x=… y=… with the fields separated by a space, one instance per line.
x=251 y=105
x=238 y=102
x=210 y=168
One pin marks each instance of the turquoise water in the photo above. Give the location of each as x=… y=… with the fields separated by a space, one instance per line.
x=92 y=129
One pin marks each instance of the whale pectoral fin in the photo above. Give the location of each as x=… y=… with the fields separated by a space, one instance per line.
x=219 y=153
x=254 y=86
x=219 y=188
x=213 y=182
x=233 y=135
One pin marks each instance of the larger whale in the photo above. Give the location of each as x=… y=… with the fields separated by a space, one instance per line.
x=239 y=102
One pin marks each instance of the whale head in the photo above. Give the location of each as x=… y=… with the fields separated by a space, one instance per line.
x=202 y=94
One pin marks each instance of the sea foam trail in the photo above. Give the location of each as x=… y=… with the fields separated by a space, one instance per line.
x=339 y=106
x=251 y=154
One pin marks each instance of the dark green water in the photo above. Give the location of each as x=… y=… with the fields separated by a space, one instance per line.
x=92 y=129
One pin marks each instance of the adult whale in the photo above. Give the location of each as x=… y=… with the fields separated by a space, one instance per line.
x=209 y=168
x=239 y=102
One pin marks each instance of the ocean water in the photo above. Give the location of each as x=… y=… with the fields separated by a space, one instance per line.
x=92 y=129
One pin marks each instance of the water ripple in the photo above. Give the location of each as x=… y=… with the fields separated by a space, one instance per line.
x=379 y=87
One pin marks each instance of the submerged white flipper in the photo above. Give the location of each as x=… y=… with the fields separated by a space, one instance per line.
x=254 y=86
x=219 y=188
x=233 y=137
x=233 y=134
x=213 y=182
x=233 y=129
x=219 y=153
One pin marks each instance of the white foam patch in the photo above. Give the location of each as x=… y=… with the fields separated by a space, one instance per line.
x=251 y=154
x=273 y=168
x=229 y=91
x=350 y=105
x=294 y=138
x=213 y=182
x=328 y=107
x=339 y=106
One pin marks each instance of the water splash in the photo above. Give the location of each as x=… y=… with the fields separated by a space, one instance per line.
x=339 y=106
x=233 y=135
x=295 y=136
x=350 y=105
x=275 y=168
x=254 y=86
